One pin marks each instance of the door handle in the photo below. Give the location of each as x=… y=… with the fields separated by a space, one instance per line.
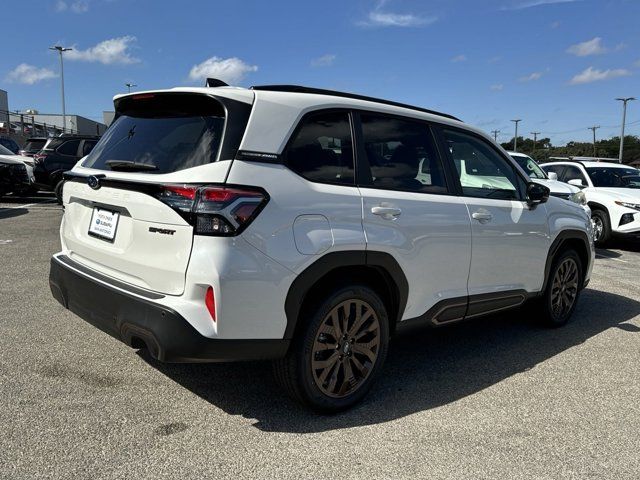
x=482 y=216
x=386 y=212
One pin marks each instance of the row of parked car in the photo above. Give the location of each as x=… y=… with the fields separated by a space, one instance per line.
x=41 y=163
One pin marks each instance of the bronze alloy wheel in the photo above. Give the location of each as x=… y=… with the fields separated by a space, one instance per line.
x=565 y=287
x=346 y=348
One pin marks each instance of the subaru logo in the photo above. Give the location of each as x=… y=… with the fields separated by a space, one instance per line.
x=93 y=182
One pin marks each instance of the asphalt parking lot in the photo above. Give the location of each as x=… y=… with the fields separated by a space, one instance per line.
x=498 y=397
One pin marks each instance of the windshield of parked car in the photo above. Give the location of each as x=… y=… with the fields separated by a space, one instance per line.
x=34 y=145
x=5 y=151
x=614 y=177
x=530 y=166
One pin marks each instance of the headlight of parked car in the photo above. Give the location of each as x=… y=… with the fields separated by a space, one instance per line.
x=635 y=206
x=579 y=197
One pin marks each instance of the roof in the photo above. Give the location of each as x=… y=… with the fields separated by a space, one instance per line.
x=589 y=164
x=518 y=154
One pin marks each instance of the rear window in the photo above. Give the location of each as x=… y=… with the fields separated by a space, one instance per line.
x=70 y=147
x=161 y=133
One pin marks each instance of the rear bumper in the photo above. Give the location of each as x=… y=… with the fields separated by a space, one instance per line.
x=134 y=320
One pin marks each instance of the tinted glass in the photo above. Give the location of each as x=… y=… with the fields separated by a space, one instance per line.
x=557 y=169
x=34 y=145
x=161 y=134
x=529 y=166
x=70 y=147
x=5 y=151
x=88 y=146
x=614 y=177
x=322 y=149
x=573 y=173
x=402 y=155
x=483 y=172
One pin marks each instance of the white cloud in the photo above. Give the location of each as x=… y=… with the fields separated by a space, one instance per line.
x=495 y=59
x=459 y=58
x=594 y=75
x=497 y=87
x=28 y=74
x=108 y=52
x=590 y=47
x=231 y=70
x=323 y=61
x=536 y=3
x=637 y=64
x=555 y=24
x=380 y=18
x=78 y=6
x=532 y=77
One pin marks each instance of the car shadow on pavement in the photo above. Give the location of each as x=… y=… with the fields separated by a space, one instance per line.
x=425 y=369
x=12 y=212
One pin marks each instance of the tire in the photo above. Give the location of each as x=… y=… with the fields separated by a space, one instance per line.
x=58 y=191
x=601 y=227
x=563 y=289
x=317 y=367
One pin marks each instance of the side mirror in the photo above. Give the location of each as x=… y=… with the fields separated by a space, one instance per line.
x=536 y=194
x=576 y=182
x=552 y=175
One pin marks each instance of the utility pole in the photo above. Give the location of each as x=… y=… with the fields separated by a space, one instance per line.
x=594 y=128
x=61 y=50
x=535 y=140
x=515 y=139
x=495 y=134
x=129 y=85
x=624 y=118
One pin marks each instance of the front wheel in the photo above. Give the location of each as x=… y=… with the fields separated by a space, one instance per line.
x=338 y=354
x=563 y=289
x=601 y=227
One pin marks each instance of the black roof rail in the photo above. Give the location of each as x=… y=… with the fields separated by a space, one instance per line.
x=335 y=93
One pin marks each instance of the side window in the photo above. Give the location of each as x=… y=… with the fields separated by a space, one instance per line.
x=557 y=169
x=401 y=154
x=69 y=147
x=88 y=146
x=573 y=173
x=482 y=171
x=322 y=150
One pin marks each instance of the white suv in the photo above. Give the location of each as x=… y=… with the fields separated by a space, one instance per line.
x=305 y=226
x=612 y=191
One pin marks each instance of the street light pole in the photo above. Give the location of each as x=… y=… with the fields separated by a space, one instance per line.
x=515 y=139
x=594 y=128
x=61 y=50
x=495 y=134
x=129 y=85
x=624 y=119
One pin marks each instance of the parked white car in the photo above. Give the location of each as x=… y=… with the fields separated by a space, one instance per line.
x=557 y=188
x=612 y=191
x=17 y=175
x=305 y=226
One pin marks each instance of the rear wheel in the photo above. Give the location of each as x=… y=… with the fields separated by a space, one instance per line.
x=337 y=356
x=601 y=227
x=563 y=289
x=58 y=191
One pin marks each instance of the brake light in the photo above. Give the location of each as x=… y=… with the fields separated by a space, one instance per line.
x=39 y=157
x=215 y=210
x=210 y=302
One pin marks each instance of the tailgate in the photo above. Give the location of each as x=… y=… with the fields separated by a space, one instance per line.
x=151 y=243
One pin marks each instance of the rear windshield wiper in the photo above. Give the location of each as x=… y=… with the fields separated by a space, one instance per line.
x=130 y=166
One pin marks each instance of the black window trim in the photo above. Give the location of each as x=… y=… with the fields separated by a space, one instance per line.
x=439 y=127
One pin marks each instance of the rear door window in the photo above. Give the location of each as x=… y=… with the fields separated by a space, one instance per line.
x=161 y=133
x=70 y=147
x=401 y=154
x=322 y=149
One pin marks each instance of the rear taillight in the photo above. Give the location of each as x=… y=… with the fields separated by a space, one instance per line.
x=38 y=157
x=215 y=210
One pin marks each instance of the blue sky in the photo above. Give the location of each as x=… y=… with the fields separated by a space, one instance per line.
x=557 y=64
